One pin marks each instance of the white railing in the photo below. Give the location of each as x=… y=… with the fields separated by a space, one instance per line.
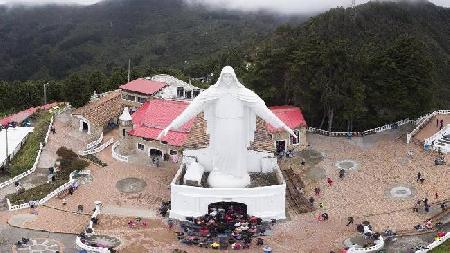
x=46 y=198
x=435 y=244
x=367 y=132
x=97 y=149
x=95 y=143
x=379 y=244
x=422 y=121
x=444 y=131
x=116 y=155
x=78 y=241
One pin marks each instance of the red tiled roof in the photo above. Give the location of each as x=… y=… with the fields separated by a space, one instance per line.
x=143 y=86
x=291 y=116
x=157 y=114
x=22 y=115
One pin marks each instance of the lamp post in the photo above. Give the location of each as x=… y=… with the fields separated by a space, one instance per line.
x=45 y=93
x=6 y=141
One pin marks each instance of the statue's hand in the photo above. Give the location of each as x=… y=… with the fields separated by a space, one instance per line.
x=290 y=131
x=163 y=133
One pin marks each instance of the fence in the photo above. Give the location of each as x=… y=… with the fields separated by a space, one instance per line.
x=379 y=244
x=422 y=121
x=80 y=244
x=95 y=143
x=46 y=198
x=367 y=132
x=116 y=155
x=437 y=135
x=435 y=244
x=9 y=157
x=97 y=149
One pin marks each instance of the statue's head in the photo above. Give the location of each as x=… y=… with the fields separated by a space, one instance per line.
x=228 y=78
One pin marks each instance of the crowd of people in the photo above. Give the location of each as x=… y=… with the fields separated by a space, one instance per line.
x=225 y=227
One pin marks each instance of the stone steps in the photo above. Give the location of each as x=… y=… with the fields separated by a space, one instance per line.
x=3 y=205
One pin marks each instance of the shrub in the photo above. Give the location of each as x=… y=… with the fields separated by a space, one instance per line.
x=66 y=153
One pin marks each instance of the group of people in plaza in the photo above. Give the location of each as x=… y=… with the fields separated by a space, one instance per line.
x=223 y=228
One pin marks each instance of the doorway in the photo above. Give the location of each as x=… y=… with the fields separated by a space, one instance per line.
x=155 y=153
x=235 y=207
x=85 y=127
x=280 y=146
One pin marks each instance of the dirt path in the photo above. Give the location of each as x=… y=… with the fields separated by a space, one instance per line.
x=431 y=128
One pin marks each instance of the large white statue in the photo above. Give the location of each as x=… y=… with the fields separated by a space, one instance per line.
x=230 y=112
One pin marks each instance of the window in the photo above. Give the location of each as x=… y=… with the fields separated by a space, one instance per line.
x=141 y=100
x=131 y=98
x=173 y=152
x=295 y=141
x=188 y=94
x=180 y=92
x=141 y=146
x=270 y=136
x=195 y=93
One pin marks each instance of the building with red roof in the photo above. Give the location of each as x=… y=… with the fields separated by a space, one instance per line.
x=137 y=92
x=292 y=116
x=148 y=122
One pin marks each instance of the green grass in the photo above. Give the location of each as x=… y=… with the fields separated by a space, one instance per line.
x=444 y=248
x=25 y=158
x=69 y=163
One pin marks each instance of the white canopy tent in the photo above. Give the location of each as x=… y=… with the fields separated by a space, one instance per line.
x=15 y=137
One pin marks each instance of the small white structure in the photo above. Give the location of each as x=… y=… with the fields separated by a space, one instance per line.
x=16 y=136
x=176 y=89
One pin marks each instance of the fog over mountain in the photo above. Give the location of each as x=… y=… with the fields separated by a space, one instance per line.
x=282 y=6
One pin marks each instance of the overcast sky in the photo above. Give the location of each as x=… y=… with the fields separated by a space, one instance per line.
x=286 y=6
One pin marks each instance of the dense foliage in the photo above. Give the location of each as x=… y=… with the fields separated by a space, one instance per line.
x=358 y=68
x=26 y=156
x=51 y=42
x=69 y=162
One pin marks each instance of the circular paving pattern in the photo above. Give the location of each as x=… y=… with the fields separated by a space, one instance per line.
x=401 y=192
x=40 y=245
x=346 y=165
x=311 y=156
x=131 y=185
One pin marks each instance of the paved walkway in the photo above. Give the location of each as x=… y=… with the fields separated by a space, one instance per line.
x=128 y=211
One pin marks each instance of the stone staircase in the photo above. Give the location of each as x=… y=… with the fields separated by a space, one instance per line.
x=443 y=143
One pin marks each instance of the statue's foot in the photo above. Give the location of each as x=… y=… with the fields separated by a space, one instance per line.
x=217 y=179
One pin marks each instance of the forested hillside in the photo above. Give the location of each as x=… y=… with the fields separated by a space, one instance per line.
x=359 y=68
x=45 y=42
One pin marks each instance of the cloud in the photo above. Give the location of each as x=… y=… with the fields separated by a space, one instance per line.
x=283 y=6
x=292 y=6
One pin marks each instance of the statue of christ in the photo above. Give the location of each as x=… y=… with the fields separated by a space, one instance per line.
x=230 y=112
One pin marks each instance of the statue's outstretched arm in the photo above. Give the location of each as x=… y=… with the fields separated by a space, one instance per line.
x=196 y=106
x=268 y=116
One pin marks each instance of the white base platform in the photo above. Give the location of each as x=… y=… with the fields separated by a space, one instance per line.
x=266 y=202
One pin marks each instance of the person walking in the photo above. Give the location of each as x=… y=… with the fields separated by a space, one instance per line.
x=419 y=176
x=436 y=195
x=437 y=122
x=317 y=191
x=329 y=181
x=350 y=221
x=311 y=201
x=341 y=173
x=442 y=124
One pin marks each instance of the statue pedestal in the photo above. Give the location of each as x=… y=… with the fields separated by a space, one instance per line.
x=216 y=179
